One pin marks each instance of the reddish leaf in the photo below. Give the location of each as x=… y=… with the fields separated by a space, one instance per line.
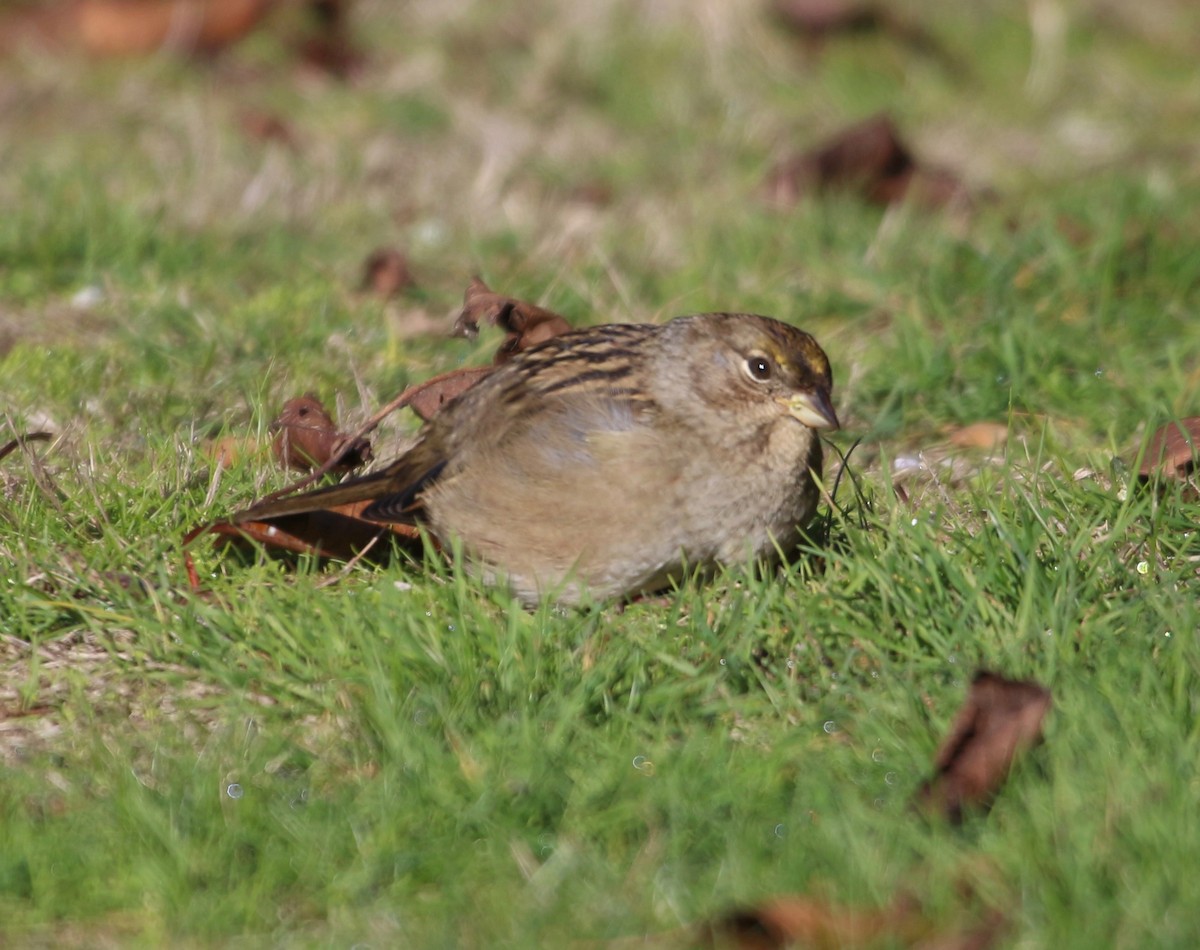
x=386 y=273
x=427 y=399
x=307 y=438
x=525 y=323
x=334 y=533
x=999 y=719
x=814 y=19
x=126 y=27
x=801 y=921
x=870 y=159
x=594 y=192
x=980 y=435
x=266 y=127
x=230 y=450
x=1173 y=450
x=329 y=48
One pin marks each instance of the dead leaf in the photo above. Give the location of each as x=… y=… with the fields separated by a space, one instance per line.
x=594 y=192
x=267 y=127
x=306 y=438
x=339 y=533
x=815 y=19
x=230 y=450
x=980 y=435
x=329 y=48
x=870 y=160
x=332 y=533
x=386 y=273
x=801 y=921
x=428 y=398
x=525 y=323
x=1173 y=450
x=1000 y=718
x=131 y=27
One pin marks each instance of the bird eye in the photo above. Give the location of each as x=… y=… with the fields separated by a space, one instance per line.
x=759 y=368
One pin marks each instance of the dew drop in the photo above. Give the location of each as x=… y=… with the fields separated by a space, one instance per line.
x=1143 y=567
x=830 y=726
x=234 y=790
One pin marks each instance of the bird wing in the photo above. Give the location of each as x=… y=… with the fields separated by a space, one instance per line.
x=542 y=407
x=392 y=490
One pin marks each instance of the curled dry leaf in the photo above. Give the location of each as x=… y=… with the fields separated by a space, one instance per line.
x=427 y=399
x=815 y=19
x=869 y=159
x=1000 y=718
x=130 y=27
x=1173 y=450
x=266 y=127
x=306 y=437
x=336 y=532
x=525 y=323
x=386 y=273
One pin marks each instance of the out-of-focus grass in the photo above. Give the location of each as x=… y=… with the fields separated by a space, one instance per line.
x=406 y=758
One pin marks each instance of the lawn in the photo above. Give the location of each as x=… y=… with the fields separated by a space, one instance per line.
x=305 y=755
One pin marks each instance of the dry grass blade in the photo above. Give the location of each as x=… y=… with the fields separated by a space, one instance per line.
x=13 y=444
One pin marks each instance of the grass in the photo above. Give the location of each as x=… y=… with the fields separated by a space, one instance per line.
x=405 y=758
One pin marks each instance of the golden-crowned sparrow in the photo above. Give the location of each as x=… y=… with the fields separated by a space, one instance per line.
x=613 y=459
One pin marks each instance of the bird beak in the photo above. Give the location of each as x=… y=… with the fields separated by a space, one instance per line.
x=812 y=409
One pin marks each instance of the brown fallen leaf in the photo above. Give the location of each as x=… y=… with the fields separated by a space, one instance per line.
x=329 y=48
x=980 y=435
x=131 y=27
x=267 y=127
x=592 y=192
x=869 y=159
x=1000 y=718
x=386 y=273
x=337 y=533
x=1173 y=451
x=428 y=398
x=306 y=438
x=800 y=921
x=229 y=450
x=816 y=19
x=525 y=323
